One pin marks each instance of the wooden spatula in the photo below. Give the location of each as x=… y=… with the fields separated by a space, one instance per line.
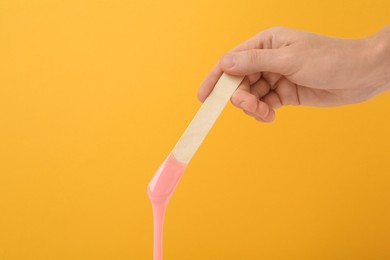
x=168 y=175
x=164 y=182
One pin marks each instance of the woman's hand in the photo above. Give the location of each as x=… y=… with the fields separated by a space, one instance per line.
x=289 y=67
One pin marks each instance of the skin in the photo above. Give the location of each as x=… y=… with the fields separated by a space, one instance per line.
x=290 y=67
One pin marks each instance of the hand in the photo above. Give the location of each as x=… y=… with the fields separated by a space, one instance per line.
x=289 y=67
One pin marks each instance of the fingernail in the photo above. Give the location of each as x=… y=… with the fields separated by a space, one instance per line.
x=243 y=105
x=229 y=60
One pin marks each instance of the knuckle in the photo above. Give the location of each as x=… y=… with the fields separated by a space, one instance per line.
x=253 y=56
x=237 y=98
x=271 y=31
x=277 y=29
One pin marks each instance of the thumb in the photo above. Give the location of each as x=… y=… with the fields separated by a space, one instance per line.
x=257 y=60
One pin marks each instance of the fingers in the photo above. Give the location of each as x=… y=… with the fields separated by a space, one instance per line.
x=272 y=78
x=216 y=72
x=251 y=104
x=257 y=60
x=283 y=93
x=272 y=100
x=260 y=95
x=249 y=62
x=268 y=97
x=214 y=75
x=266 y=49
x=270 y=117
x=260 y=88
x=287 y=92
x=254 y=77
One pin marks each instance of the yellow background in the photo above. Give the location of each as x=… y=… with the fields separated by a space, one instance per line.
x=94 y=95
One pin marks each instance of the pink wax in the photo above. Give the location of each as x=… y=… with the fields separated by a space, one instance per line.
x=160 y=190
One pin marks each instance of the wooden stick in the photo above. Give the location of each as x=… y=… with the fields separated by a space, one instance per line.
x=205 y=118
